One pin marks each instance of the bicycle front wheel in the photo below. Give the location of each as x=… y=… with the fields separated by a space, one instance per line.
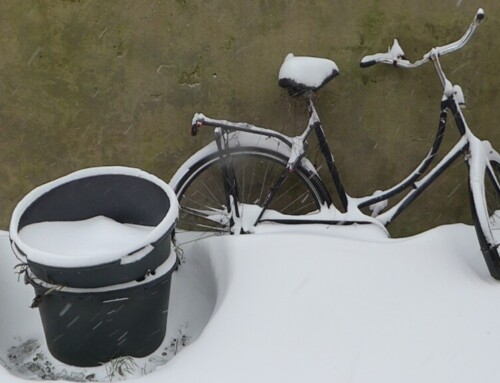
x=485 y=206
x=202 y=198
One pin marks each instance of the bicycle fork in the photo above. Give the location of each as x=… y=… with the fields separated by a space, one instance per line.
x=231 y=188
x=228 y=177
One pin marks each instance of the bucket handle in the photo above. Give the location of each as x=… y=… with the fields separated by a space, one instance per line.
x=39 y=297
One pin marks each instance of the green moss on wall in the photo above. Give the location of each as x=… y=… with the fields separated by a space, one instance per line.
x=88 y=83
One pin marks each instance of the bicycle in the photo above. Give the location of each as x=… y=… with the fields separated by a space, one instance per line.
x=251 y=175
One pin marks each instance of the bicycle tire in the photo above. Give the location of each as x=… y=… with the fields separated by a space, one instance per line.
x=201 y=196
x=485 y=208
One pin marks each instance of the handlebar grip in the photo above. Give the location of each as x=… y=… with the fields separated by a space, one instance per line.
x=365 y=62
x=479 y=15
x=196 y=122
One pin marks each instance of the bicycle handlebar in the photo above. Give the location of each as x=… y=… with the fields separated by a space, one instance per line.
x=395 y=55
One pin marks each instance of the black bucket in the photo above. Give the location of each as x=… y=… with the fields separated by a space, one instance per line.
x=89 y=327
x=124 y=195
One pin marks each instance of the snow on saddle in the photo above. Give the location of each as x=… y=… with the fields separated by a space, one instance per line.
x=300 y=74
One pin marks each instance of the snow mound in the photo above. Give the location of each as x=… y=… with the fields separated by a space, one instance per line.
x=301 y=307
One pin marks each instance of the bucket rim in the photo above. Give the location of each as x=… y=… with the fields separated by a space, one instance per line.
x=161 y=271
x=65 y=261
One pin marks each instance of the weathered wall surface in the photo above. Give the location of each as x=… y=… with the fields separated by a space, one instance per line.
x=88 y=83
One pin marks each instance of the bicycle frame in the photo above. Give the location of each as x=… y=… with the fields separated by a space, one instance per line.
x=417 y=181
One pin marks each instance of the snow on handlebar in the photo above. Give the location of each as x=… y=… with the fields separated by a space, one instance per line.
x=395 y=55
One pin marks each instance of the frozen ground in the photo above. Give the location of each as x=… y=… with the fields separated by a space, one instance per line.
x=301 y=307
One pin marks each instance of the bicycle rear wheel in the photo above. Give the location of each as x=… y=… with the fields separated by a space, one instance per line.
x=485 y=206
x=202 y=198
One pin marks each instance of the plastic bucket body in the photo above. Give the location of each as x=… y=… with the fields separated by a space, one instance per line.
x=124 y=195
x=89 y=327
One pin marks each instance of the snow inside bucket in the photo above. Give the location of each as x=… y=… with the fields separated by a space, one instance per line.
x=95 y=227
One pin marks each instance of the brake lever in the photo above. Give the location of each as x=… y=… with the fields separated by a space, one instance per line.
x=196 y=123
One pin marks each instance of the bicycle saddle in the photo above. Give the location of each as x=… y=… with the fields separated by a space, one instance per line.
x=300 y=74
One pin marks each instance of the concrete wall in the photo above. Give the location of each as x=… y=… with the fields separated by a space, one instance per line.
x=88 y=83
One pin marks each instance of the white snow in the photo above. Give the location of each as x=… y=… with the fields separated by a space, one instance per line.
x=309 y=71
x=394 y=53
x=96 y=235
x=377 y=207
x=309 y=305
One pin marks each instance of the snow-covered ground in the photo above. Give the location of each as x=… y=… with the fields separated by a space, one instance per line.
x=302 y=305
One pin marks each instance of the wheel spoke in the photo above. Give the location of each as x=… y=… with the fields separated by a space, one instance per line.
x=301 y=204
x=202 y=203
x=264 y=182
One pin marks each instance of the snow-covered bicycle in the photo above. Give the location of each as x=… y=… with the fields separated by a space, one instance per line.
x=249 y=176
